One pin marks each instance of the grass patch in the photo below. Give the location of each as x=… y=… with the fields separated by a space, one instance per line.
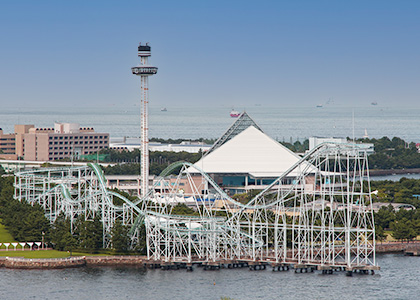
x=44 y=254
x=5 y=236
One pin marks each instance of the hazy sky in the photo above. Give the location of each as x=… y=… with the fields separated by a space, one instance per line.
x=232 y=53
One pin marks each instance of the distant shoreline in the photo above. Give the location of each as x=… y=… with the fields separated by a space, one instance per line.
x=393 y=171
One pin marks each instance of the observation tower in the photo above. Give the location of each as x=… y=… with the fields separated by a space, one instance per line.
x=144 y=70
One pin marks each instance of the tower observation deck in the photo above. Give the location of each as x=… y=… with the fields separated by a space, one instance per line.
x=144 y=70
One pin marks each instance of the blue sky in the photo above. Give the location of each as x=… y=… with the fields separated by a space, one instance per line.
x=230 y=53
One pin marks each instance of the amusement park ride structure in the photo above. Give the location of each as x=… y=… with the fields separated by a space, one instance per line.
x=323 y=218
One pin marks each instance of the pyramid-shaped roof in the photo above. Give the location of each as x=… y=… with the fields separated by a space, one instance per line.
x=249 y=152
x=242 y=123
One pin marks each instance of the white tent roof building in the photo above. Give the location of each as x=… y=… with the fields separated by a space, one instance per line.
x=250 y=160
x=252 y=152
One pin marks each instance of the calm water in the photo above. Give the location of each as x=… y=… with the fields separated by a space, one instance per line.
x=281 y=123
x=395 y=177
x=398 y=279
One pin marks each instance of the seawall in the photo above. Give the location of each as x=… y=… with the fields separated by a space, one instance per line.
x=70 y=262
x=397 y=247
x=43 y=263
x=114 y=260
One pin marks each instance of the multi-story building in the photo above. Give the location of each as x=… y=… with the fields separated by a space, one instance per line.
x=7 y=145
x=61 y=141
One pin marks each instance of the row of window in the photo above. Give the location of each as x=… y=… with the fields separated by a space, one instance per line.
x=69 y=148
x=86 y=137
x=77 y=143
x=52 y=154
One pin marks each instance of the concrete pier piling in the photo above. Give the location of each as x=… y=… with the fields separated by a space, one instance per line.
x=236 y=264
x=280 y=267
x=211 y=266
x=363 y=270
x=304 y=268
x=257 y=266
x=189 y=267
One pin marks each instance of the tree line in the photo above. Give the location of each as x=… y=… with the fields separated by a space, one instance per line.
x=389 y=153
x=27 y=223
x=403 y=224
x=158 y=161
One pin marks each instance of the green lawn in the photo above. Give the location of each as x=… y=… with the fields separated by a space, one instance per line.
x=5 y=236
x=44 y=253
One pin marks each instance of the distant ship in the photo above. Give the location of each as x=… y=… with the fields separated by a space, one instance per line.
x=319 y=105
x=374 y=103
x=234 y=113
x=163 y=109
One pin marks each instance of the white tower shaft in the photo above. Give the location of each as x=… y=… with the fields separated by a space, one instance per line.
x=144 y=131
x=144 y=70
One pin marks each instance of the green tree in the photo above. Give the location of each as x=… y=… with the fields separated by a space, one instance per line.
x=25 y=222
x=61 y=236
x=141 y=246
x=403 y=230
x=379 y=233
x=182 y=209
x=120 y=238
x=89 y=233
x=385 y=216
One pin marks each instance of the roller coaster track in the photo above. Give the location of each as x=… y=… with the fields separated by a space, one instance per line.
x=244 y=229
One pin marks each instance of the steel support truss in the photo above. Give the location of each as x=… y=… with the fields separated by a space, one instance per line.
x=323 y=218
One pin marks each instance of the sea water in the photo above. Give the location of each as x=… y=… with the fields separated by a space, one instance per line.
x=191 y=122
x=398 y=279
